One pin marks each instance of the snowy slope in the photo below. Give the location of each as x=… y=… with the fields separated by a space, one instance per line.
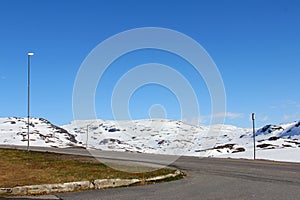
x=290 y=130
x=42 y=133
x=273 y=142
x=159 y=136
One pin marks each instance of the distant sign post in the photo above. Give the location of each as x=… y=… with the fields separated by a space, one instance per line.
x=87 y=134
x=253 y=118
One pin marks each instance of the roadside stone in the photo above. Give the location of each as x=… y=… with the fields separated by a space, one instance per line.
x=22 y=190
x=5 y=190
x=50 y=188
x=158 y=178
x=106 y=183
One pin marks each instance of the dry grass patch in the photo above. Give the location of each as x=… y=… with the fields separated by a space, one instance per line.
x=18 y=168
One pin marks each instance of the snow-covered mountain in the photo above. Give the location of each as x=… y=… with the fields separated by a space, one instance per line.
x=274 y=142
x=158 y=136
x=290 y=130
x=42 y=133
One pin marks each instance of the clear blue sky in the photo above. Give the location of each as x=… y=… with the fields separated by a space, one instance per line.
x=255 y=44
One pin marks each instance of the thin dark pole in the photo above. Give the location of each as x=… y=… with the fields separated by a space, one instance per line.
x=254 y=147
x=28 y=98
x=87 y=136
x=28 y=101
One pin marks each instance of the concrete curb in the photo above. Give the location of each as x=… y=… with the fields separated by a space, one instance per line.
x=80 y=185
x=159 y=178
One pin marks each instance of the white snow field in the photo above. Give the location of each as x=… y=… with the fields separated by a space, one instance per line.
x=158 y=136
x=13 y=131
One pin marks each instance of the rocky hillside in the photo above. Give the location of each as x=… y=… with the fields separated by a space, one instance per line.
x=42 y=133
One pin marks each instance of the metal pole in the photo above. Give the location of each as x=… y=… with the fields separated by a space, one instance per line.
x=28 y=101
x=87 y=136
x=254 y=147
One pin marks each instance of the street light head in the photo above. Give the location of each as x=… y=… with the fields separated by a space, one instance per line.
x=30 y=54
x=253 y=116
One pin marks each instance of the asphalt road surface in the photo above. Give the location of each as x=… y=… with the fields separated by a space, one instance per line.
x=207 y=178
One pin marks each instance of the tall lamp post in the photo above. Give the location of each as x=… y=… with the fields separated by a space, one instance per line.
x=28 y=102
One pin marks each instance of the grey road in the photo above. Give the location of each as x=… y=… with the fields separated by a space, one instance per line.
x=209 y=178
